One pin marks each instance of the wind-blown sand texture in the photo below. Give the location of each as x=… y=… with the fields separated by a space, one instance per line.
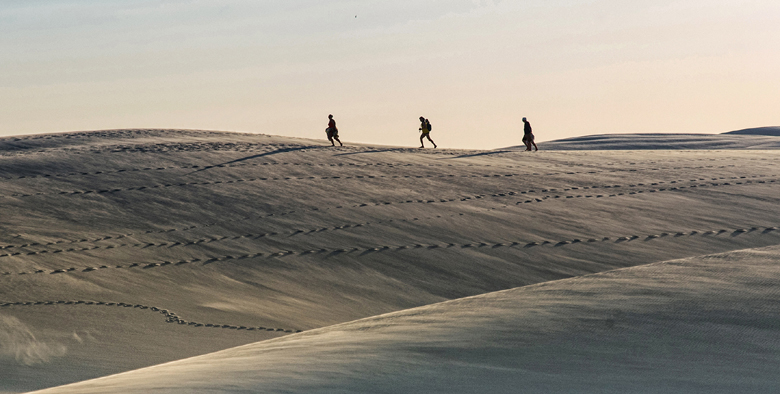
x=771 y=130
x=747 y=139
x=131 y=248
x=695 y=325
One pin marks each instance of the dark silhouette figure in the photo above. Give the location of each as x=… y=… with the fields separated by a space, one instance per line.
x=528 y=136
x=425 y=127
x=332 y=131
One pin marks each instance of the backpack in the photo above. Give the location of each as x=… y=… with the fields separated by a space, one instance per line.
x=428 y=123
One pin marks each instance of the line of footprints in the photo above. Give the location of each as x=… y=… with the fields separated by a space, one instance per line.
x=295 y=232
x=170 y=317
x=285 y=178
x=378 y=164
x=363 y=251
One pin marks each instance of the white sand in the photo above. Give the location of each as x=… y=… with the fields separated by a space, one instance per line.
x=701 y=325
x=247 y=231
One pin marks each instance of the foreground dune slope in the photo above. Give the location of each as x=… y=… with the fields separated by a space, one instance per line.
x=129 y=248
x=700 y=325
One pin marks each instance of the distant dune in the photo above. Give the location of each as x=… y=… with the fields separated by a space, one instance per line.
x=773 y=131
x=349 y=269
x=732 y=140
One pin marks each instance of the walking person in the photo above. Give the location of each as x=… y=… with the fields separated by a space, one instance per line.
x=528 y=136
x=332 y=131
x=425 y=128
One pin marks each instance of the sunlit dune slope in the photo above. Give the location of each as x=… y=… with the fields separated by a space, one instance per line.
x=124 y=249
x=700 y=325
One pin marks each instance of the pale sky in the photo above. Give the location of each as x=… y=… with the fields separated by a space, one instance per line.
x=473 y=67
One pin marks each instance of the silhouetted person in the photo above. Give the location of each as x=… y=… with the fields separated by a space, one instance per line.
x=528 y=136
x=425 y=127
x=332 y=131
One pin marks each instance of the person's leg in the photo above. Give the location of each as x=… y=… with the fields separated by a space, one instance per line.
x=337 y=139
x=537 y=148
x=429 y=139
x=527 y=145
x=421 y=141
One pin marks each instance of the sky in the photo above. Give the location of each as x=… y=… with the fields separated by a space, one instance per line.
x=474 y=68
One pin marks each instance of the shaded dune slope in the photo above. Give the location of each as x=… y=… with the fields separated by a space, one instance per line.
x=700 y=325
x=733 y=140
x=129 y=248
x=771 y=130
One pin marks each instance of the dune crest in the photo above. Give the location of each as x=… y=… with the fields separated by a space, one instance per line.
x=772 y=130
x=747 y=139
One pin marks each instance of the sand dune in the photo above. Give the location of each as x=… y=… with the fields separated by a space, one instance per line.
x=705 y=324
x=773 y=131
x=751 y=139
x=125 y=249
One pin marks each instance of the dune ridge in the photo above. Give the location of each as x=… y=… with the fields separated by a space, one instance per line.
x=750 y=139
x=771 y=130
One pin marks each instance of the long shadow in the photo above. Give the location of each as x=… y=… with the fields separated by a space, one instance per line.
x=412 y=149
x=283 y=150
x=481 y=154
x=374 y=151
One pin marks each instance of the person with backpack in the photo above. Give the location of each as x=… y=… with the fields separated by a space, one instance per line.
x=528 y=136
x=425 y=128
x=332 y=132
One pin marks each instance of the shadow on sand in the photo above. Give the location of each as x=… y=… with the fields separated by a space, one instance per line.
x=375 y=151
x=283 y=150
x=494 y=152
x=415 y=149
